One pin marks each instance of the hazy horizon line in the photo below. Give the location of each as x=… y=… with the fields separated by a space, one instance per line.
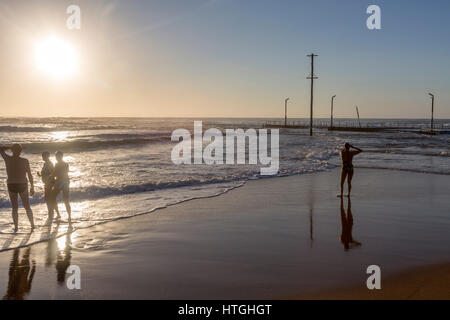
x=205 y=117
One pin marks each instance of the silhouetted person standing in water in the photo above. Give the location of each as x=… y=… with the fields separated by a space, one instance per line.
x=347 y=166
x=17 y=170
x=49 y=182
x=62 y=181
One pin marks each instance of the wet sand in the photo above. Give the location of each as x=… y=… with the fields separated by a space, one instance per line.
x=420 y=283
x=272 y=238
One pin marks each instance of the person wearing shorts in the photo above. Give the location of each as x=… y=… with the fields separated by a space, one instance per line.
x=347 y=166
x=17 y=171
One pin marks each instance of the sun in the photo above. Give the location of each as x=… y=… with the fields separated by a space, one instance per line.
x=56 y=58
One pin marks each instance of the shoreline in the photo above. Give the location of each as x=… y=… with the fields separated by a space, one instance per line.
x=269 y=238
x=228 y=189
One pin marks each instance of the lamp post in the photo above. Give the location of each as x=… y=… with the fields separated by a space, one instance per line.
x=332 y=103
x=285 y=111
x=357 y=112
x=312 y=77
x=432 y=111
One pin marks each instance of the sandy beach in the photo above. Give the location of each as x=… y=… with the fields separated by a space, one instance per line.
x=420 y=283
x=197 y=150
x=272 y=238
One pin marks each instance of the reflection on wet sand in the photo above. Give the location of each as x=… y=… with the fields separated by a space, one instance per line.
x=22 y=270
x=52 y=247
x=347 y=226
x=59 y=253
x=63 y=256
x=21 y=273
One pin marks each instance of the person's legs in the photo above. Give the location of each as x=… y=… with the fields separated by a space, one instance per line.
x=15 y=209
x=26 y=205
x=55 y=204
x=49 y=202
x=349 y=180
x=53 y=195
x=343 y=176
x=66 y=202
x=349 y=211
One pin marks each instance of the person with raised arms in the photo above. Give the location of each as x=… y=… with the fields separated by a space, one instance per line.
x=347 y=166
x=17 y=170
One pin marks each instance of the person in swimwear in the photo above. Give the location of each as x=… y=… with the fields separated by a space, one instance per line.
x=17 y=170
x=347 y=166
x=62 y=181
x=49 y=182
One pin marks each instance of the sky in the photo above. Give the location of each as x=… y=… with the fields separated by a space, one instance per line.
x=228 y=58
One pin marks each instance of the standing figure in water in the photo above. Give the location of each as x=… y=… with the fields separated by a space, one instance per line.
x=62 y=181
x=49 y=182
x=17 y=170
x=347 y=166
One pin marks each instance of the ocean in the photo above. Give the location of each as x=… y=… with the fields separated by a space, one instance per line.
x=121 y=167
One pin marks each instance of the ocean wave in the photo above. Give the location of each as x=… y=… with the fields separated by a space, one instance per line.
x=80 y=145
x=95 y=192
x=406 y=170
x=120 y=136
x=25 y=129
x=444 y=154
x=100 y=192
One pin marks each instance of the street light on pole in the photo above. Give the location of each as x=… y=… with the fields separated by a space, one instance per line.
x=332 y=103
x=285 y=111
x=312 y=77
x=432 y=111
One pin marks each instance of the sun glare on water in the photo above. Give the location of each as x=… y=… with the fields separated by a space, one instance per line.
x=59 y=135
x=56 y=58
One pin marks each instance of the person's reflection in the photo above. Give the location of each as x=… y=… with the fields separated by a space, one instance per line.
x=21 y=273
x=59 y=253
x=63 y=257
x=347 y=225
x=52 y=246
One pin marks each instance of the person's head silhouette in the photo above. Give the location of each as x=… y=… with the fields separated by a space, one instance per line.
x=16 y=149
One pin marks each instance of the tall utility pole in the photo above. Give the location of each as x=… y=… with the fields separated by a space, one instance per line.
x=332 y=103
x=285 y=111
x=357 y=112
x=432 y=111
x=312 y=77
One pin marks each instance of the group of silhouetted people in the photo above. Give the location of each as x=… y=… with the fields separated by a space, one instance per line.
x=55 y=179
